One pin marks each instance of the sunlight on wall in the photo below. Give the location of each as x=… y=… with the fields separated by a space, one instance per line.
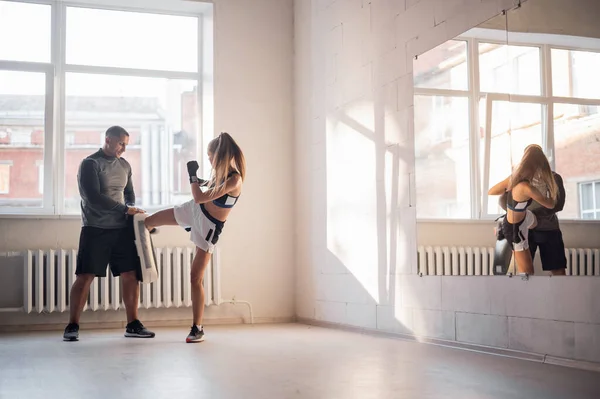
x=367 y=196
x=352 y=202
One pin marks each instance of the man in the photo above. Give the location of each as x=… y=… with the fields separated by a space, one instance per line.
x=107 y=236
x=546 y=234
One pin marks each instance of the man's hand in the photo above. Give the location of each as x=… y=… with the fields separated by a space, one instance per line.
x=132 y=210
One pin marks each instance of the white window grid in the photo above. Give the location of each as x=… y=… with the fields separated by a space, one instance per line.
x=479 y=196
x=56 y=69
x=595 y=209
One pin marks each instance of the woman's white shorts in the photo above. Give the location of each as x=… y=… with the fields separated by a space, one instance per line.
x=518 y=234
x=205 y=229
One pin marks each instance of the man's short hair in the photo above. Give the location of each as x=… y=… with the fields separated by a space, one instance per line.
x=116 y=131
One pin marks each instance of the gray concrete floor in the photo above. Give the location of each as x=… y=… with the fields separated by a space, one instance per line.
x=270 y=361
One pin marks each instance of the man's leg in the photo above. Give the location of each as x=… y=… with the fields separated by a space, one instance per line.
x=92 y=259
x=79 y=295
x=552 y=252
x=125 y=263
x=533 y=244
x=131 y=294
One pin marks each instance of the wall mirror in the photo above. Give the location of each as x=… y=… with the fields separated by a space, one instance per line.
x=523 y=77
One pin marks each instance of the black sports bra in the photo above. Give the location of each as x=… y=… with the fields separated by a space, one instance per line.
x=226 y=200
x=516 y=206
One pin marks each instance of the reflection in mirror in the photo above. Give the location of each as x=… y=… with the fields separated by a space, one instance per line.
x=449 y=125
x=568 y=35
x=528 y=76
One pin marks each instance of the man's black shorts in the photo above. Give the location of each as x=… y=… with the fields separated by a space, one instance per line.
x=100 y=247
x=552 y=248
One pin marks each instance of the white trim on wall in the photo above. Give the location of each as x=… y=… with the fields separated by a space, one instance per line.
x=533 y=39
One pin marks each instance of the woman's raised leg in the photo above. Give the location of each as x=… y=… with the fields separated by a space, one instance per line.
x=161 y=218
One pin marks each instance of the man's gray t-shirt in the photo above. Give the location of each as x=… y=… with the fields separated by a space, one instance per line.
x=546 y=218
x=105 y=187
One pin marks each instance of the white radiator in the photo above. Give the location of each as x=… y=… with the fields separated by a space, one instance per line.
x=583 y=261
x=455 y=261
x=49 y=275
x=478 y=261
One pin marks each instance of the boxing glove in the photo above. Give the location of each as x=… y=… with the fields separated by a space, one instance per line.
x=192 y=167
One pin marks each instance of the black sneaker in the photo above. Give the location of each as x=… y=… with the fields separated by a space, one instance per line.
x=71 y=332
x=196 y=335
x=136 y=329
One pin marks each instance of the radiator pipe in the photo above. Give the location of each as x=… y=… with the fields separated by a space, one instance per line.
x=11 y=310
x=234 y=302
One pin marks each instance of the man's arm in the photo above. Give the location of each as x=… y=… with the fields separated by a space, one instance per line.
x=562 y=194
x=503 y=200
x=90 y=187
x=128 y=191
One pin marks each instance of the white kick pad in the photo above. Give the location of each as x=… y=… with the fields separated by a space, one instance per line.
x=145 y=249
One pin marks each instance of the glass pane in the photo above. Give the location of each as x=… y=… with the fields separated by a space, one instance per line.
x=577 y=145
x=482 y=122
x=587 y=199
x=597 y=195
x=22 y=110
x=442 y=157
x=514 y=127
x=24 y=32
x=587 y=215
x=575 y=74
x=444 y=67
x=509 y=69
x=161 y=118
x=134 y=40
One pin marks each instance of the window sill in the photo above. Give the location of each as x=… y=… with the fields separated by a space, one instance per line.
x=38 y=216
x=488 y=221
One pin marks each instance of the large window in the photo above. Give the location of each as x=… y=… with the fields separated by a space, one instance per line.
x=68 y=72
x=479 y=103
x=442 y=132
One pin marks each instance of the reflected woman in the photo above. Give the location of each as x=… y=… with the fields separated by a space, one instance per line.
x=520 y=190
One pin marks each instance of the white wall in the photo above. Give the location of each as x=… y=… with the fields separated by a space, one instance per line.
x=561 y=17
x=253 y=97
x=356 y=224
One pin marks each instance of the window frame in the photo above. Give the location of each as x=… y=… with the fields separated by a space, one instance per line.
x=545 y=42
x=595 y=201
x=55 y=72
x=8 y=164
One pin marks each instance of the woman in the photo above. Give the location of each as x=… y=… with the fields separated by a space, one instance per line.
x=206 y=214
x=532 y=171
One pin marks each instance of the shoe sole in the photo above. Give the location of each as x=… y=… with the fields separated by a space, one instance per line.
x=192 y=341
x=70 y=339
x=131 y=335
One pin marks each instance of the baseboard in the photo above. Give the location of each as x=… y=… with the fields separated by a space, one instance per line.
x=577 y=364
x=104 y=325
x=529 y=356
